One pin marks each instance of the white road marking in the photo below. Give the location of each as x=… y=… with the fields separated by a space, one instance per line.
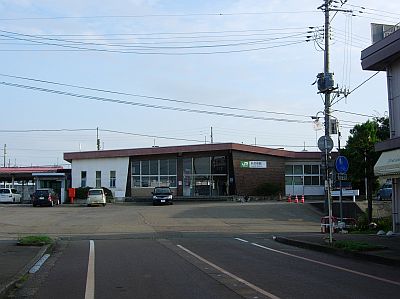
x=38 y=264
x=89 y=292
x=250 y=285
x=241 y=240
x=328 y=265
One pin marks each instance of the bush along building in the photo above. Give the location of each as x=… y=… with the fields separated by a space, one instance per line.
x=198 y=171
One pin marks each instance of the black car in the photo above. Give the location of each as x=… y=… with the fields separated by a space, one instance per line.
x=45 y=197
x=162 y=195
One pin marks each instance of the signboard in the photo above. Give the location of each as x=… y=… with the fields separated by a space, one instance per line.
x=342 y=164
x=325 y=143
x=253 y=164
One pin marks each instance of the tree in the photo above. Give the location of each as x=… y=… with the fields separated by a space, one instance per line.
x=360 y=151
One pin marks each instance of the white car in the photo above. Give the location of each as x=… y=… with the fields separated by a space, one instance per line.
x=96 y=196
x=9 y=195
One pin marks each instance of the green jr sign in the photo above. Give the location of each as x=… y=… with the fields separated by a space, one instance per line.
x=244 y=164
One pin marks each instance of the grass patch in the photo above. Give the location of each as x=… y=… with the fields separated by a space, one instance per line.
x=35 y=241
x=355 y=246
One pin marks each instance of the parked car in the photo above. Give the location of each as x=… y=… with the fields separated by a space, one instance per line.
x=9 y=195
x=385 y=192
x=162 y=195
x=96 y=196
x=45 y=197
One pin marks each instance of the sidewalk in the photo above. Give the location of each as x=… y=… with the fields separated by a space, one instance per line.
x=390 y=255
x=15 y=262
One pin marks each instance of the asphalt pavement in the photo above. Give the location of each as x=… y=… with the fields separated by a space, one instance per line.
x=16 y=261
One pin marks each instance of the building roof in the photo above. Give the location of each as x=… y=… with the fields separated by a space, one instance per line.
x=190 y=149
x=381 y=54
x=19 y=170
x=27 y=173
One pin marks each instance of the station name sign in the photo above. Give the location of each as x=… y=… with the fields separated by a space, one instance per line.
x=253 y=164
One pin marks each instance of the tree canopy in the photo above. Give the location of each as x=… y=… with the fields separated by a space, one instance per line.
x=360 y=151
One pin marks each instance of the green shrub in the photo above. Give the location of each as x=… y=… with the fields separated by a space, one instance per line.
x=350 y=245
x=384 y=223
x=266 y=189
x=82 y=192
x=362 y=222
x=35 y=241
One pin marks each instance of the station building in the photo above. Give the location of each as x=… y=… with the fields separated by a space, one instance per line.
x=205 y=170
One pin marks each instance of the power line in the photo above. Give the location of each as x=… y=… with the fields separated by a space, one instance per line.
x=153 y=97
x=78 y=48
x=157 y=15
x=357 y=87
x=103 y=99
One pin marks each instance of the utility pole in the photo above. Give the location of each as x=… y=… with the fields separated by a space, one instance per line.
x=97 y=139
x=212 y=137
x=326 y=86
x=4 y=155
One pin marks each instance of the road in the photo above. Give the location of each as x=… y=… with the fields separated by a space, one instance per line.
x=202 y=266
x=195 y=250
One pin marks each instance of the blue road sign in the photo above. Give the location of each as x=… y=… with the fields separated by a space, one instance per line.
x=342 y=164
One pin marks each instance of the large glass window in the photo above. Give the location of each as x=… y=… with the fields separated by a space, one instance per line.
x=218 y=165
x=308 y=175
x=201 y=165
x=205 y=176
x=154 y=173
x=136 y=168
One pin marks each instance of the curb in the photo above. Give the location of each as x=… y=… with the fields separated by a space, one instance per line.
x=339 y=252
x=11 y=283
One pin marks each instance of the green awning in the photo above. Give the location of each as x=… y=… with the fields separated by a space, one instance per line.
x=388 y=164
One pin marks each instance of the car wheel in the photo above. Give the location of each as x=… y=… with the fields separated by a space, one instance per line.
x=154 y=203
x=171 y=203
x=104 y=204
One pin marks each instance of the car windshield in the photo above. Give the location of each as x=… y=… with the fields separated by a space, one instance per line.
x=162 y=190
x=95 y=192
x=4 y=191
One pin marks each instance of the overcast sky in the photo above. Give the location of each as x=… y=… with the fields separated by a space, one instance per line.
x=171 y=70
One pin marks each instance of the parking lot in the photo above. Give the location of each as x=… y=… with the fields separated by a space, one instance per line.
x=143 y=218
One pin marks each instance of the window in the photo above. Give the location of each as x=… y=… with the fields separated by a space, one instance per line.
x=154 y=173
x=136 y=168
x=98 y=179
x=201 y=165
x=307 y=175
x=83 y=178
x=113 y=178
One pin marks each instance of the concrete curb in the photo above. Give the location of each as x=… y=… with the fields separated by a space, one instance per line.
x=338 y=252
x=11 y=283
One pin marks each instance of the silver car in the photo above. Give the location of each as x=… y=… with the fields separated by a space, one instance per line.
x=96 y=197
x=9 y=195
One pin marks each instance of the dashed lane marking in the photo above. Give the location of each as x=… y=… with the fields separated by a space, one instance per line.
x=250 y=285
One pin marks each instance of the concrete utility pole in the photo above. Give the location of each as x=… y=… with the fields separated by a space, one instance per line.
x=97 y=139
x=212 y=137
x=326 y=86
x=4 y=155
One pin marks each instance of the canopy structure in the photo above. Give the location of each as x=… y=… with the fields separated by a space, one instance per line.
x=388 y=164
